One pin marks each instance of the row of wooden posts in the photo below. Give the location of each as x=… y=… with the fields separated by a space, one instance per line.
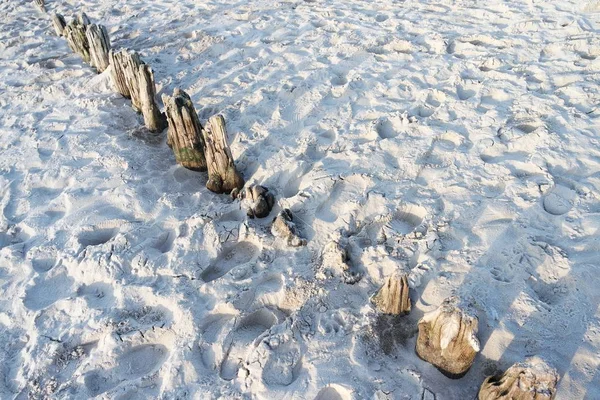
x=447 y=336
x=195 y=147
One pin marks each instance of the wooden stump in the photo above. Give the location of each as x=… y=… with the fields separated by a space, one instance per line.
x=154 y=120
x=283 y=227
x=124 y=72
x=447 y=338
x=185 y=131
x=530 y=380
x=59 y=23
x=222 y=175
x=392 y=297
x=99 y=46
x=74 y=32
x=41 y=5
x=256 y=199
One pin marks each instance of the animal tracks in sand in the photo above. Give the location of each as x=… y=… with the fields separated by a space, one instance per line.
x=231 y=256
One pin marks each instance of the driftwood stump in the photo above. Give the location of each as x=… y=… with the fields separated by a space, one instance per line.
x=134 y=79
x=41 y=5
x=222 y=175
x=392 y=297
x=59 y=23
x=256 y=199
x=125 y=66
x=447 y=338
x=530 y=380
x=185 y=131
x=154 y=120
x=74 y=32
x=99 y=46
x=283 y=227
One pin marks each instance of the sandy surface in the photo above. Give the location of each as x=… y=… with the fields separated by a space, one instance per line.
x=455 y=140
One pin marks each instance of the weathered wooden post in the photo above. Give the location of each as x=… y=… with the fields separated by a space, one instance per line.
x=185 y=131
x=41 y=5
x=222 y=175
x=124 y=72
x=447 y=338
x=256 y=199
x=76 y=37
x=99 y=46
x=284 y=227
x=59 y=23
x=154 y=120
x=392 y=297
x=530 y=380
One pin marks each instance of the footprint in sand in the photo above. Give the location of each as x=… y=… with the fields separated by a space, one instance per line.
x=96 y=237
x=231 y=256
x=559 y=200
x=134 y=363
x=240 y=341
x=406 y=220
x=333 y=392
x=47 y=291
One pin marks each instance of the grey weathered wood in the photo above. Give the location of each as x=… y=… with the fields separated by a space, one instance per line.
x=59 y=23
x=41 y=5
x=392 y=297
x=155 y=120
x=83 y=19
x=74 y=32
x=185 y=131
x=222 y=175
x=134 y=80
x=99 y=46
x=530 y=380
x=284 y=228
x=447 y=338
x=124 y=72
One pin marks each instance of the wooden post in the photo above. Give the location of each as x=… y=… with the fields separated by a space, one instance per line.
x=76 y=38
x=99 y=46
x=256 y=199
x=530 y=380
x=125 y=65
x=284 y=227
x=59 y=24
x=155 y=120
x=447 y=338
x=222 y=175
x=41 y=5
x=185 y=131
x=134 y=80
x=392 y=297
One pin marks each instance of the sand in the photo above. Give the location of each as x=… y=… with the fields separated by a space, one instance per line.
x=454 y=140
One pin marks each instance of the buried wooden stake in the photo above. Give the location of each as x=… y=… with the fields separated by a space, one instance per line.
x=529 y=380
x=222 y=175
x=155 y=120
x=41 y=5
x=59 y=23
x=447 y=337
x=134 y=80
x=392 y=297
x=185 y=131
x=76 y=37
x=99 y=46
